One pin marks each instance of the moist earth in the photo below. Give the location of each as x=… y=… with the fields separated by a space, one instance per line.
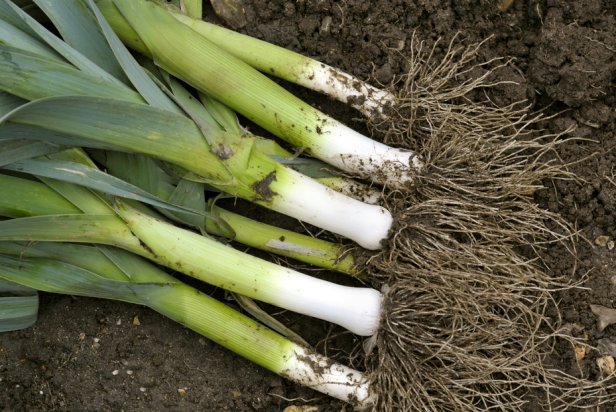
x=94 y=355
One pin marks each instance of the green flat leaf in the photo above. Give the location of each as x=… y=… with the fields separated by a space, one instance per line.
x=191 y=195
x=85 y=256
x=193 y=109
x=115 y=125
x=82 y=175
x=8 y=14
x=11 y=131
x=18 y=306
x=109 y=262
x=60 y=277
x=9 y=102
x=139 y=78
x=142 y=171
x=80 y=30
x=310 y=167
x=17 y=312
x=21 y=197
x=81 y=197
x=32 y=76
x=145 y=173
x=14 y=37
x=103 y=229
x=135 y=268
x=69 y=53
x=16 y=150
x=224 y=116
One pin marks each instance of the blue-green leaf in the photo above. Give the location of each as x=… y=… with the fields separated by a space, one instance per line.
x=115 y=125
x=14 y=37
x=69 y=53
x=59 y=277
x=9 y=102
x=16 y=150
x=18 y=306
x=139 y=78
x=32 y=76
x=83 y=175
x=8 y=14
x=79 y=29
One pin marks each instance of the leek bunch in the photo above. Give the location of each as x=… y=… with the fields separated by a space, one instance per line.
x=102 y=112
x=151 y=29
x=458 y=323
x=143 y=233
x=76 y=102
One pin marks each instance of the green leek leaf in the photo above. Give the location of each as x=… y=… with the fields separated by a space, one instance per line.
x=78 y=28
x=192 y=195
x=15 y=150
x=224 y=116
x=18 y=306
x=69 y=53
x=83 y=175
x=309 y=167
x=8 y=14
x=9 y=102
x=32 y=76
x=88 y=257
x=22 y=197
x=63 y=228
x=60 y=277
x=139 y=78
x=112 y=124
x=13 y=37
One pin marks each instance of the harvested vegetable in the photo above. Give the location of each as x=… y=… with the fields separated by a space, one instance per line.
x=109 y=273
x=150 y=29
x=111 y=115
x=89 y=219
x=465 y=324
x=294 y=67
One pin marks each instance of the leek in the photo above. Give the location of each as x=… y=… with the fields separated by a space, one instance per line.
x=227 y=161
x=152 y=30
x=296 y=68
x=143 y=172
x=18 y=306
x=88 y=218
x=110 y=273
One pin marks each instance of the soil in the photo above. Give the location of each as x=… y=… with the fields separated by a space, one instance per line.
x=94 y=355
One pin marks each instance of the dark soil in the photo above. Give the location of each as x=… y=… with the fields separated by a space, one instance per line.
x=86 y=354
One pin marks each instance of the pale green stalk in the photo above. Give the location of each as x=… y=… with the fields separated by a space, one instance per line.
x=113 y=274
x=228 y=161
x=145 y=173
x=294 y=67
x=357 y=309
x=193 y=8
x=307 y=249
x=184 y=53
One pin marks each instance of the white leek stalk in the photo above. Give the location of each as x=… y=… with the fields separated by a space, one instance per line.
x=357 y=309
x=296 y=68
x=151 y=29
x=114 y=274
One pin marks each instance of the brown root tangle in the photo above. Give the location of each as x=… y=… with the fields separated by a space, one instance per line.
x=471 y=314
